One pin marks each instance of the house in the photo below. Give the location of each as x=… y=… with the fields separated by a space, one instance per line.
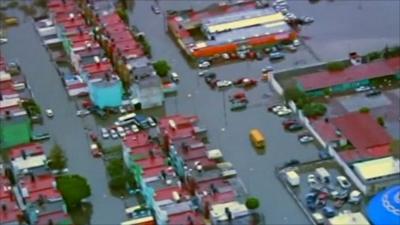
x=15 y=130
x=316 y=84
x=147 y=87
x=228 y=28
x=28 y=159
x=10 y=213
x=106 y=92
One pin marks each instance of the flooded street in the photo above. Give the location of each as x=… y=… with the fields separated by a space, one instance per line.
x=339 y=27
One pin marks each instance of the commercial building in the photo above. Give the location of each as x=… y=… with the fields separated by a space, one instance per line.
x=319 y=83
x=228 y=28
x=147 y=87
x=384 y=208
x=378 y=169
x=349 y=219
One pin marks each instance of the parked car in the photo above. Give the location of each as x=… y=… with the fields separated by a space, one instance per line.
x=224 y=83
x=49 y=113
x=276 y=108
x=307 y=20
x=151 y=122
x=323 y=154
x=104 y=133
x=155 y=9
x=204 y=64
x=355 y=197
x=203 y=73
x=284 y=112
x=95 y=150
x=259 y=55
x=245 y=82
x=82 y=112
x=363 y=88
x=372 y=93
x=276 y=55
x=289 y=122
x=134 y=128
x=113 y=133
x=174 y=77
x=296 y=43
x=238 y=105
x=121 y=132
x=343 y=182
x=295 y=127
x=328 y=212
x=239 y=96
x=311 y=179
x=305 y=138
x=291 y=48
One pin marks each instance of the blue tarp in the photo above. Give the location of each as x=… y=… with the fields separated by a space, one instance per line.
x=384 y=208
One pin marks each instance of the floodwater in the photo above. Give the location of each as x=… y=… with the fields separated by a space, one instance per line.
x=339 y=27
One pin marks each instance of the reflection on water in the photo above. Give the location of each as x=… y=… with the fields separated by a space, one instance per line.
x=82 y=215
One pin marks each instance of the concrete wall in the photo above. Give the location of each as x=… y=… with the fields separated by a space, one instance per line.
x=275 y=85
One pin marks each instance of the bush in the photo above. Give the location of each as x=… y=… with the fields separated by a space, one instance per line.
x=364 y=110
x=252 y=203
x=336 y=66
x=380 y=121
x=74 y=189
x=162 y=68
x=12 y=4
x=374 y=55
x=314 y=109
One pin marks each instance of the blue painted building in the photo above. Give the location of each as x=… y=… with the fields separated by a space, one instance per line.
x=384 y=208
x=106 y=92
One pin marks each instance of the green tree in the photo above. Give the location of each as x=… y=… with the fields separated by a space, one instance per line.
x=119 y=176
x=374 y=55
x=395 y=147
x=57 y=158
x=380 y=121
x=252 y=203
x=314 y=109
x=296 y=95
x=364 y=110
x=162 y=68
x=336 y=66
x=74 y=189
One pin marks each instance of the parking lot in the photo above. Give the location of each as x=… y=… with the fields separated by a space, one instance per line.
x=322 y=196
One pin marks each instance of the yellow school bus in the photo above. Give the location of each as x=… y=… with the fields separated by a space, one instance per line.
x=257 y=138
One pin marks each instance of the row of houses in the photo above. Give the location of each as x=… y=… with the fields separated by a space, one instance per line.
x=15 y=120
x=28 y=190
x=180 y=179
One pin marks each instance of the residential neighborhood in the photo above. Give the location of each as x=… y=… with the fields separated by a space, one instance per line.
x=199 y=112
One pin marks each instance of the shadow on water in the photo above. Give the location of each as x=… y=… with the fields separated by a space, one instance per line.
x=259 y=150
x=82 y=215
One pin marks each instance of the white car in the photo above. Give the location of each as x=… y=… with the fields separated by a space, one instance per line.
x=204 y=64
x=224 y=83
x=355 y=197
x=82 y=112
x=121 y=132
x=3 y=41
x=114 y=134
x=311 y=179
x=296 y=43
x=151 y=122
x=343 y=182
x=363 y=88
x=202 y=73
x=134 y=128
x=277 y=108
x=283 y=112
x=122 y=110
x=306 y=139
x=104 y=133
x=49 y=113
x=174 y=77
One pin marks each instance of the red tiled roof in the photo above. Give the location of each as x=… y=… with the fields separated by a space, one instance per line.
x=5 y=187
x=354 y=73
x=78 y=22
x=166 y=193
x=156 y=171
x=356 y=155
x=30 y=149
x=220 y=198
x=94 y=68
x=12 y=212
x=182 y=218
x=43 y=185
x=76 y=86
x=184 y=126
x=110 y=19
x=362 y=130
x=80 y=38
x=151 y=162
x=326 y=130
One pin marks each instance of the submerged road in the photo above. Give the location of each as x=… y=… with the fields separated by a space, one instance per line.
x=65 y=128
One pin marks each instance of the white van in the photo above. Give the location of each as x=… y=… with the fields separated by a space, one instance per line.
x=323 y=174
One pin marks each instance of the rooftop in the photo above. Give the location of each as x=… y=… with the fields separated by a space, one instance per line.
x=12 y=212
x=357 y=155
x=371 y=70
x=30 y=162
x=362 y=130
x=349 y=219
x=377 y=168
x=31 y=149
x=33 y=187
x=183 y=218
x=326 y=130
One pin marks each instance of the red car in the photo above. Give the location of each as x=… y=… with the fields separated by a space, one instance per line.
x=245 y=82
x=288 y=122
x=95 y=150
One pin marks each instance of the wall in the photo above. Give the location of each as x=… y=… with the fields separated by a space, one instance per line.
x=275 y=85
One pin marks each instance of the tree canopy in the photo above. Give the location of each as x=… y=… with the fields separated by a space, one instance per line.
x=57 y=158
x=314 y=109
x=73 y=189
x=297 y=96
x=162 y=68
x=252 y=203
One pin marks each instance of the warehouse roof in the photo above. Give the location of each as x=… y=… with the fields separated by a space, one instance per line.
x=349 y=219
x=377 y=168
x=371 y=70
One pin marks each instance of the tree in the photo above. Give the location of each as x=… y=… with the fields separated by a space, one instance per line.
x=374 y=55
x=73 y=189
x=364 y=110
x=395 y=147
x=296 y=95
x=162 y=68
x=335 y=66
x=57 y=158
x=314 y=109
x=380 y=121
x=119 y=176
x=252 y=203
